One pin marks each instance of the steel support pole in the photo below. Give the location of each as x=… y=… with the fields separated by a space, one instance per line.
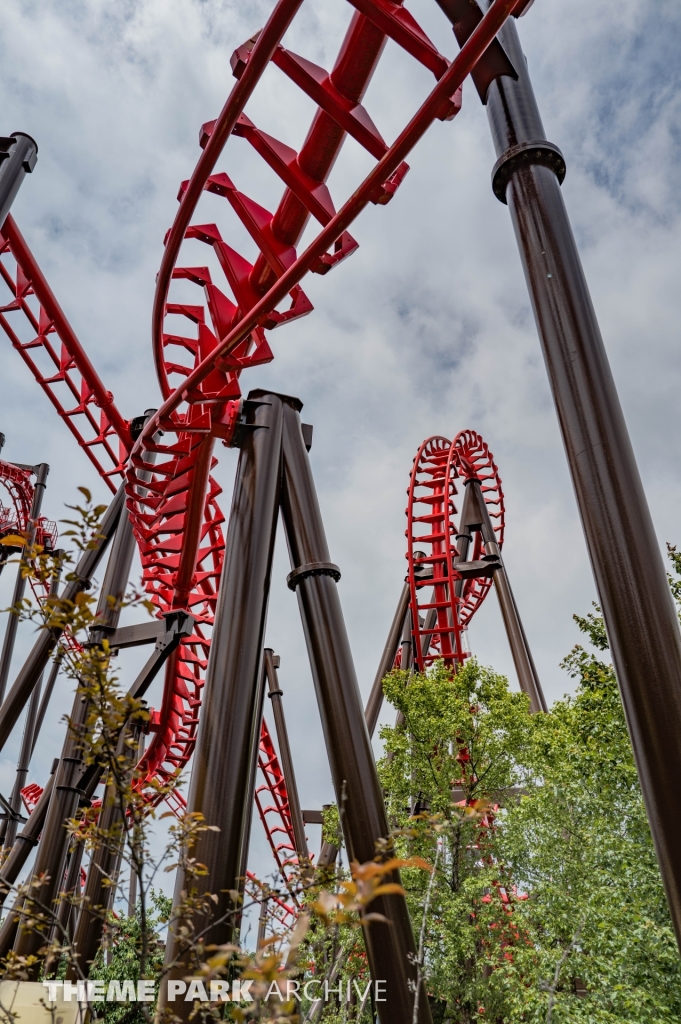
x=640 y=618
x=51 y=857
x=225 y=758
x=28 y=740
x=528 y=677
x=41 y=472
x=48 y=638
x=375 y=701
x=67 y=912
x=100 y=887
x=23 y=763
x=18 y=156
x=390 y=947
x=47 y=694
x=275 y=693
x=27 y=839
x=132 y=887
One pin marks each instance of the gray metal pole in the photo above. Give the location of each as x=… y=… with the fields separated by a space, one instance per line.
x=225 y=758
x=41 y=472
x=640 y=618
x=390 y=946
x=275 y=693
x=18 y=156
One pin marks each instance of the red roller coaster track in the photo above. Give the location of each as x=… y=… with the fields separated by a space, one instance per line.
x=431 y=524
x=17 y=482
x=175 y=515
x=54 y=355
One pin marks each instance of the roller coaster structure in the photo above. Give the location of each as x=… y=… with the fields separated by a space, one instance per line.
x=171 y=497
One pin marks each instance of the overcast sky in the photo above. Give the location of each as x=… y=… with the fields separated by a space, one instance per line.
x=426 y=329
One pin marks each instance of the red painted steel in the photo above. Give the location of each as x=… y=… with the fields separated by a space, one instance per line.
x=42 y=335
x=17 y=520
x=230 y=331
x=50 y=336
x=431 y=536
x=17 y=482
x=431 y=530
x=474 y=459
x=275 y=816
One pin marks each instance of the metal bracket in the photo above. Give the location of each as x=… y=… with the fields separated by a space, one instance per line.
x=10 y=814
x=178 y=625
x=155 y=632
x=472 y=570
x=465 y=16
x=312 y=569
x=524 y=154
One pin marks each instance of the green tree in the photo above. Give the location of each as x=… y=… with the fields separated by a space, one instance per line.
x=447 y=770
x=601 y=947
x=120 y=960
x=548 y=904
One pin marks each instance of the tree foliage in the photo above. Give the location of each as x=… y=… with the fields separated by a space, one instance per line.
x=548 y=904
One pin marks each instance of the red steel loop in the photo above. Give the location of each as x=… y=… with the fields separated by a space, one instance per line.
x=431 y=536
x=475 y=460
x=17 y=520
x=442 y=603
x=200 y=386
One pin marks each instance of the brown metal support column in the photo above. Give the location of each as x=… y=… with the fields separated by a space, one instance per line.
x=64 y=926
x=28 y=740
x=53 y=848
x=34 y=665
x=41 y=472
x=25 y=842
x=390 y=947
x=275 y=693
x=27 y=839
x=640 y=618
x=528 y=678
x=375 y=701
x=104 y=862
x=11 y=824
x=223 y=772
x=132 y=888
x=47 y=694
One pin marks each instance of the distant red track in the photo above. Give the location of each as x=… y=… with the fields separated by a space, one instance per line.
x=432 y=543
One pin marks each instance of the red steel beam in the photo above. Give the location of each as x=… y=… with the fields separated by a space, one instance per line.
x=458 y=70
x=47 y=299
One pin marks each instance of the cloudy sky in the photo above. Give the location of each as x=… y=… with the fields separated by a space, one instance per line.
x=426 y=329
